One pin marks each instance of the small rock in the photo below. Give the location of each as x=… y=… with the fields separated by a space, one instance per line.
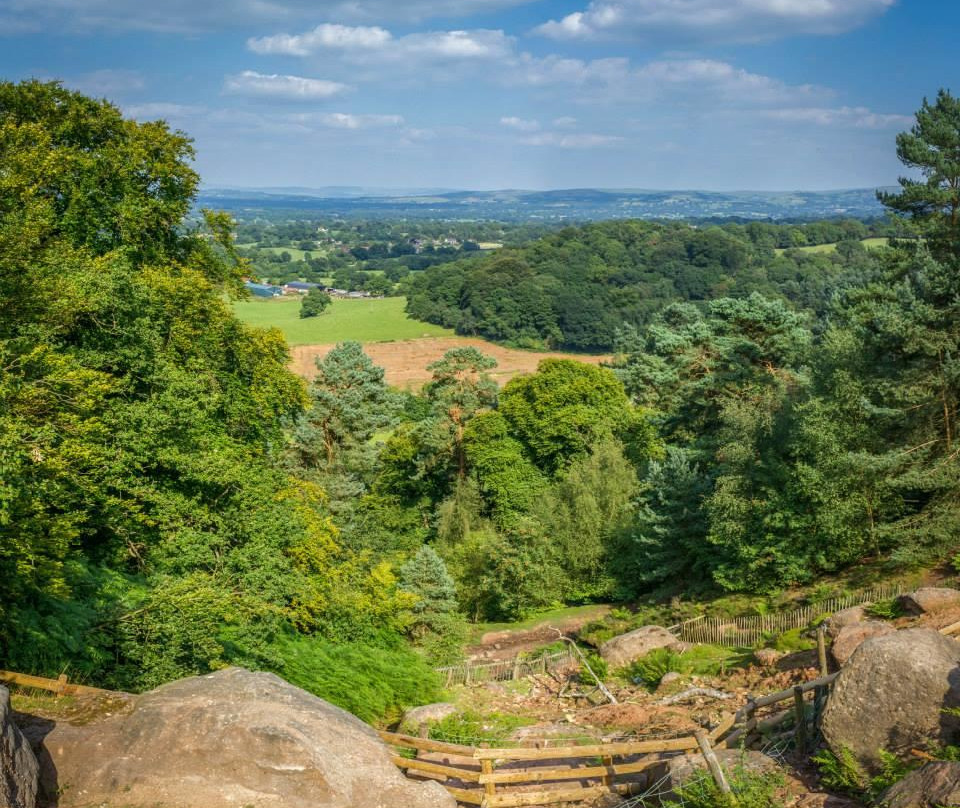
x=844 y=618
x=930 y=599
x=416 y=717
x=936 y=784
x=669 y=678
x=767 y=656
x=854 y=635
x=19 y=770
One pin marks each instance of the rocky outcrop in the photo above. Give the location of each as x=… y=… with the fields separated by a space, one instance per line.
x=852 y=636
x=844 y=618
x=233 y=738
x=891 y=695
x=621 y=651
x=936 y=784
x=19 y=771
x=930 y=599
x=427 y=714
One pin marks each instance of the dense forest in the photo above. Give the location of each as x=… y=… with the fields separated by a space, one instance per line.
x=577 y=288
x=173 y=499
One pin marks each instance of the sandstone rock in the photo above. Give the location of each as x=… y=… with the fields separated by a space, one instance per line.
x=891 y=695
x=626 y=648
x=685 y=768
x=844 y=618
x=669 y=678
x=229 y=739
x=767 y=657
x=19 y=770
x=936 y=784
x=930 y=599
x=852 y=636
x=427 y=714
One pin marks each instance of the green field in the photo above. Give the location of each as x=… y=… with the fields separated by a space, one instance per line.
x=295 y=253
x=379 y=320
x=869 y=243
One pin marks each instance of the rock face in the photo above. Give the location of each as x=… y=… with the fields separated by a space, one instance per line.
x=891 y=695
x=852 y=636
x=233 y=738
x=621 y=651
x=844 y=618
x=930 y=599
x=19 y=770
x=936 y=784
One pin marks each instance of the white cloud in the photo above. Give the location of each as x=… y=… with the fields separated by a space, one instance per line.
x=108 y=82
x=565 y=141
x=520 y=124
x=186 y=16
x=156 y=110
x=273 y=86
x=366 y=45
x=565 y=122
x=859 y=117
x=712 y=20
x=343 y=120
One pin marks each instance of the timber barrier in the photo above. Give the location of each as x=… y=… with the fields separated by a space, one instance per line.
x=61 y=686
x=471 y=673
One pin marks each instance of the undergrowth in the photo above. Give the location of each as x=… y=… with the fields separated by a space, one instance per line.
x=700 y=660
x=750 y=790
x=471 y=728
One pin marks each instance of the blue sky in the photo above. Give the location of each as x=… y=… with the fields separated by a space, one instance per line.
x=706 y=94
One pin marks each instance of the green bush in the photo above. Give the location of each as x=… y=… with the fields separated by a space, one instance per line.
x=649 y=670
x=472 y=729
x=374 y=684
x=750 y=790
x=885 y=609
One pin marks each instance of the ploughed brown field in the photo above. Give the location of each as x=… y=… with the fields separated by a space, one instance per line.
x=405 y=361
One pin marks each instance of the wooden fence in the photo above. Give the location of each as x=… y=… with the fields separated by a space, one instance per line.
x=508 y=777
x=742 y=632
x=479 y=672
x=61 y=686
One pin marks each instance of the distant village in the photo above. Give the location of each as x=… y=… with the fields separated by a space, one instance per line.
x=299 y=288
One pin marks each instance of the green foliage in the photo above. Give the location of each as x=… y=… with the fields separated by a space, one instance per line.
x=841 y=771
x=435 y=624
x=373 y=683
x=314 y=303
x=885 y=609
x=652 y=667
x=750 y=790
x=472 y=729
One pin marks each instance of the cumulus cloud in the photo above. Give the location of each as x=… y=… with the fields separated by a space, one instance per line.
x=520 y=124
x=344 y=120
x=185 y=16
x=369 y=44
x=711 y=20
x=859 y=117
x=274 y=86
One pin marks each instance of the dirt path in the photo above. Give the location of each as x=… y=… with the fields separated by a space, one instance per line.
x=405 y=361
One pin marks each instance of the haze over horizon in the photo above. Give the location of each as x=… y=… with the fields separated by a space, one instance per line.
x=711 y=95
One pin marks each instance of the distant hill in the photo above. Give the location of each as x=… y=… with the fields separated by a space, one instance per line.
x=576 y=204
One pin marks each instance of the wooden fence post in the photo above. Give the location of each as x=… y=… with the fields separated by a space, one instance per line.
x=822 y=650
x=713 y=764
x=486 y=767
x=800 y=711
x=61 y=684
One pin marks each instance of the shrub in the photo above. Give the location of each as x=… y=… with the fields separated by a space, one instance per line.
x=885 y=609
x=750 y=790
x=472 y=729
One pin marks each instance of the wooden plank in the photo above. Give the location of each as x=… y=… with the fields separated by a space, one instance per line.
x=953 y=628
x=712 y=763
x=546 y=797
x=596 y=750
x=725 y=725
x=541 y=775
x=58 y=686
x=427 y=745
x=470 y=796
x=429 y=767
x=783 y=695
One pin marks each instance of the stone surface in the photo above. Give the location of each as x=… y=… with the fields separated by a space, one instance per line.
x=891 y=695
x=852 y=636
x=930 y=599
x=621 y=651
x=232 y=739
x=844 y=618
x=19 y=770
x=936 y=784
x=427 y=714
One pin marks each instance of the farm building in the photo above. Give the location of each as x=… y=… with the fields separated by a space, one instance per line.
x=263 y=289
x=299 y=287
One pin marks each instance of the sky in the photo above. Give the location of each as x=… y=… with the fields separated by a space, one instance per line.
x=492 y=94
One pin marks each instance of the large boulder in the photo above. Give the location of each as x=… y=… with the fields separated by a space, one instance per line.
x=936 y=784
x=845 y=617
x=852 y=636
x=930 y=599
x=19 y=770
x=620 y=651
x=416 y=717
x=684 y=768
x=891 y=695
x=226 y=740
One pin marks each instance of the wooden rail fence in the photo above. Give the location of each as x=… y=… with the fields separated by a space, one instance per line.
x=742 y=632
x=508 y=777
x=479 y=672
x=61 y=686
